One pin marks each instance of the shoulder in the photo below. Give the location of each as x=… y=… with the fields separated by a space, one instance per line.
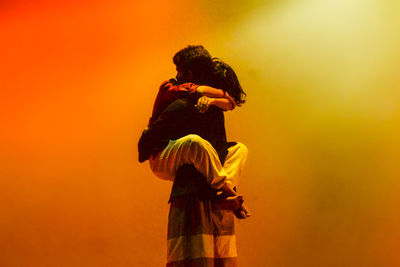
x=166 y=85
x=174 y=85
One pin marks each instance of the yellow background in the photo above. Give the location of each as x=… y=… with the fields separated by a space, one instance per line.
x=322 y=124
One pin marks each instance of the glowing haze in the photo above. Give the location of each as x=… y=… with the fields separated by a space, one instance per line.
x=322 y=123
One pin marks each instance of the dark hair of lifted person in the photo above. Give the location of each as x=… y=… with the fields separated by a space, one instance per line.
x=225 y=78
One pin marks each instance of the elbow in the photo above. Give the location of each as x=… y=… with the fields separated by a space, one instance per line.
x=144 y=154
x=142 y=159
x=232 y=105
x=200 y=90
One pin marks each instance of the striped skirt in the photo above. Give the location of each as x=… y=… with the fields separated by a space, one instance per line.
x=200 y=233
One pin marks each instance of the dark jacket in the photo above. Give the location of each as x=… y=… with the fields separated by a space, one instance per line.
x=179 y=119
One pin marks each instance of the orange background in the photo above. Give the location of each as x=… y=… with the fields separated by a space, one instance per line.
x=322 y=123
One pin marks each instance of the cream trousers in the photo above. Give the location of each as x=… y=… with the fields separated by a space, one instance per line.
x=192 y=149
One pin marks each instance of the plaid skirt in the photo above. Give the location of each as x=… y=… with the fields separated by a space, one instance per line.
x=200 y=233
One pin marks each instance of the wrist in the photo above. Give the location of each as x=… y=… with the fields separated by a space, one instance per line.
x=212 y=101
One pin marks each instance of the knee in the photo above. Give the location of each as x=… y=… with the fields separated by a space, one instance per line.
x=192 y=139
x=242 y=149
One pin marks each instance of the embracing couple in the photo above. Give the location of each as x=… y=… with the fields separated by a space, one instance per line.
x=185 y=142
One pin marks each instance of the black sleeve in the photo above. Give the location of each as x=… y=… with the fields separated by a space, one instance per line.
x=158 y=133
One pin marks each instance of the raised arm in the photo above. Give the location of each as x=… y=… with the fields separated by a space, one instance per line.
x=205 y=102
x=217 y=93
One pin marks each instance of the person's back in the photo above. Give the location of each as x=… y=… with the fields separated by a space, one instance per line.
x=180 y=119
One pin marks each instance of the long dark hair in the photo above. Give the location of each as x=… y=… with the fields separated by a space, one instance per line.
x=226 y=79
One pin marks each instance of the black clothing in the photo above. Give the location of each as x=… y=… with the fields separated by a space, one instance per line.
x=179 y=119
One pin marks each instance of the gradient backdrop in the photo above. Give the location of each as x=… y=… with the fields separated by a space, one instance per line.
x=322 y=123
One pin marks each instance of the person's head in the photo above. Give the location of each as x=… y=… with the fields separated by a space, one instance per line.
x=225 y=78
x=193 y=64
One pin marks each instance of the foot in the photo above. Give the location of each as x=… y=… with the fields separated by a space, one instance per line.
x=242 y=212
x=235 y=204
x=230 y=203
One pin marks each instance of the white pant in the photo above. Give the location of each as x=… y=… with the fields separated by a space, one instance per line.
x=192 y=149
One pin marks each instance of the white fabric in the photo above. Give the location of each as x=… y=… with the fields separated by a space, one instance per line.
x=234 y=162
x=192 y=149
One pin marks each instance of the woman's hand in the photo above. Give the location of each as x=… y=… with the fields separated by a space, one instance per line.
x=204 y=103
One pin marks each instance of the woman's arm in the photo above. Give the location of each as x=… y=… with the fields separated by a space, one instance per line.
x=216 y=93
x=205 y=102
